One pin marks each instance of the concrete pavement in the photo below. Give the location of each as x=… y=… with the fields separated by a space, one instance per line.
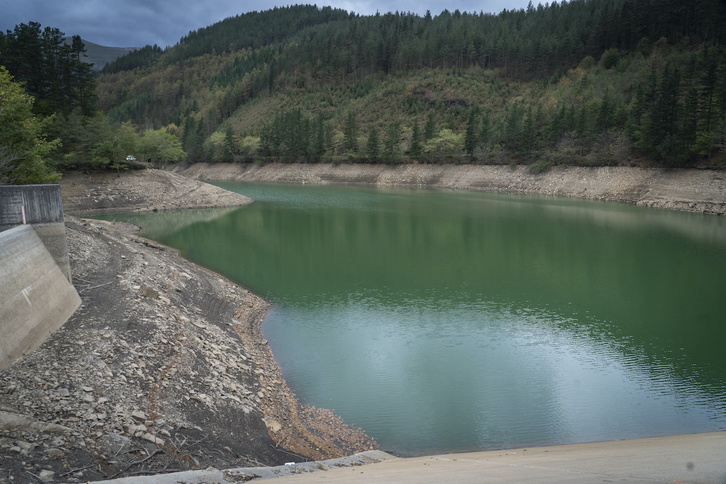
x=697 y=458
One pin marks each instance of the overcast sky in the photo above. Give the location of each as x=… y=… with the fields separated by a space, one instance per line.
x=135 y=23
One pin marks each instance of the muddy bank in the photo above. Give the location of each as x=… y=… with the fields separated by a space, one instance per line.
x=701 y=191
x=163 y=368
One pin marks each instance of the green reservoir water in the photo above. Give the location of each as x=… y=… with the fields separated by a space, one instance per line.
x=446 y=321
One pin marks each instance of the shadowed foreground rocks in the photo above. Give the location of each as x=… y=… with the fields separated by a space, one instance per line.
x=162 y=368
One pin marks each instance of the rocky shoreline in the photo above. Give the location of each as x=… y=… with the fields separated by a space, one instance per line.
x=163 y=368
x=141 y=191
x=702 y=191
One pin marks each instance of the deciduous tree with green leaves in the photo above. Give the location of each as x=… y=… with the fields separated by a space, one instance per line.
x=23 y=148
x=163 y=147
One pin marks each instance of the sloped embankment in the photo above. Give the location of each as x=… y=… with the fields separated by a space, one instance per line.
x=163 y=368
x=141 y=191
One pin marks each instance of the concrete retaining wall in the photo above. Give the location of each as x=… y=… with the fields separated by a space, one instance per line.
x=35 y=296
x=41 y=206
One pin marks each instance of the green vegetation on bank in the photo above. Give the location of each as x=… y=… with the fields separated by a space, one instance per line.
x=22 y=146
x=587 y=82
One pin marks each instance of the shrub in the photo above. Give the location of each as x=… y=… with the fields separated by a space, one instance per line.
x=538 y=167
x=610 y=58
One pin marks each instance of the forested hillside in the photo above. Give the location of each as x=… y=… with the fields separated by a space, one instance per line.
x=589 y=82
x=585 y=82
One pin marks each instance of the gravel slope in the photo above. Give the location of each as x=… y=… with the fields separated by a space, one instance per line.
x=141 y=191
x=163 y=368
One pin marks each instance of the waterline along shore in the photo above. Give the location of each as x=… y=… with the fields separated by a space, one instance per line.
x=702 y=191
x=164 y=367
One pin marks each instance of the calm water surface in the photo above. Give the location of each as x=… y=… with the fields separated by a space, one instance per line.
x=455 y=321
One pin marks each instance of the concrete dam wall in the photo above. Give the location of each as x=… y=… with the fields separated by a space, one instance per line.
x=36 y=295
x=40 y=206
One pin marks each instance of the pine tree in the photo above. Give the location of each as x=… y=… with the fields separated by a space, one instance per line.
x=556 y=128
x=485 y=128
x=582 y=119
x=605 y=114
x=320 y=138
x=193 y=141
x=471 y=138
x=662 y=134
x=350 y=133
x=373 y=148
x=512 y=135
x=390 y=144
x=415 y=149
x=529 y=133
x=708 y=98
x=230 y=147
x=430 y=127
x=82 y=89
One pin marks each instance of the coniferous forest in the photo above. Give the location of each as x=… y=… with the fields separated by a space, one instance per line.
x=584 y=82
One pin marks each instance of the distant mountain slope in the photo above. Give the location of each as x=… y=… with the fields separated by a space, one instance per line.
x=100 y=55
x=574 y=82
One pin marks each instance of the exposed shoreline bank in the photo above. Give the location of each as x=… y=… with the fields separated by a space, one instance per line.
x=701 y=191
x=140 y=191
x=163 y=368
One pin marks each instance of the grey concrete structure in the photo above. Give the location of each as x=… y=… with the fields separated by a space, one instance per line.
x=36 y=298
x=245 y=474
x=40 y=206
x=697 y=458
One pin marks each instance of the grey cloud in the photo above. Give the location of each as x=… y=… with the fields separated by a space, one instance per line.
x=135 y=23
